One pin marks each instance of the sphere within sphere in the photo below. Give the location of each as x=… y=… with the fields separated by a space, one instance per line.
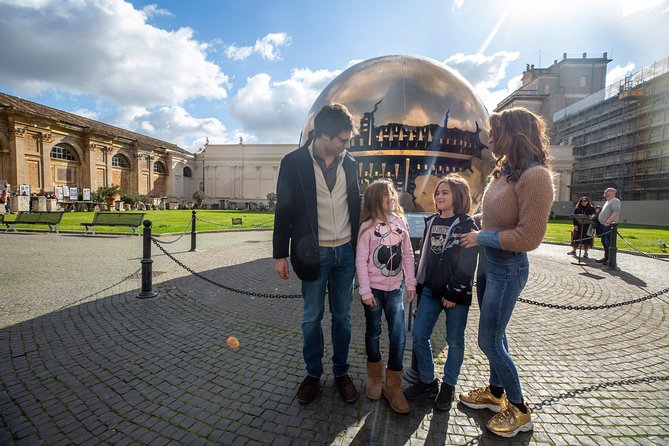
x=417 y=120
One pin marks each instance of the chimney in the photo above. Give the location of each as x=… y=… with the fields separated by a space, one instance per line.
x=564 y=56
x=605 y=54
x=584 y=55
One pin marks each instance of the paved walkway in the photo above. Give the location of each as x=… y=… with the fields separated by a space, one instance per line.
x=83 y=361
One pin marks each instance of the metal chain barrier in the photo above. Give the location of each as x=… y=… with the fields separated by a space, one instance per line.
x=225 y=287
x=177 y=239
x=650 y=256
x=593 y=307
x=224 y=225
x=128 y=277
x=573 y=393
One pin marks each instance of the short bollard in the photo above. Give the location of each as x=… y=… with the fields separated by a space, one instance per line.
x=613 y=247
x=147 y=262
x=193 y=233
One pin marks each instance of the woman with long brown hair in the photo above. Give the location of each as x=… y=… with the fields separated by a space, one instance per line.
x=515 y=209
x=583 y=233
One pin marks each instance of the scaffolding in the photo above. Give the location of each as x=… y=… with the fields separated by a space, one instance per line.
x=621 y=137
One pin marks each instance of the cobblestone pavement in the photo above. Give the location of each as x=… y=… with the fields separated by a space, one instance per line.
x=83 y=361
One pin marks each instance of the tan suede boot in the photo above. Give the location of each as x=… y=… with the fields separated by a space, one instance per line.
x=374 y=380
x=392 y=391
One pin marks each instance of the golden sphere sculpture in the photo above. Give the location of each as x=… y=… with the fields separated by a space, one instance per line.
x=417 y=120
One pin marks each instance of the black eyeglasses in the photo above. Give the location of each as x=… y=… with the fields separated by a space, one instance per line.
x=343 y=140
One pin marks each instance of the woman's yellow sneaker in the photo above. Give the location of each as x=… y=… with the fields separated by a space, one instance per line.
x=509 y=421
x=482 y=398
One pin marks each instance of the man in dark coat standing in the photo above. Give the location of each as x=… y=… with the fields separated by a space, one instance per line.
x=316 y=225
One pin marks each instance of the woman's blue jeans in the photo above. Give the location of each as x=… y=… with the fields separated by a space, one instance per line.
x=337 y=271
x=392 y=304
x=427 y=314
x=499 y=282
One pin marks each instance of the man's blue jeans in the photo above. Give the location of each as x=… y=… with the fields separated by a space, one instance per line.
x=498 y=285
x=427 y=315
x=606 y=239
x=337 y=271
x=392 y=304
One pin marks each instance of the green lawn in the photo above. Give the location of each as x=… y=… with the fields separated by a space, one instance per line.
x=175 y=221
x=643 y=237
x=172 y=221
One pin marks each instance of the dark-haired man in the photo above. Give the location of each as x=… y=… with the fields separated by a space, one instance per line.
x=316 y=224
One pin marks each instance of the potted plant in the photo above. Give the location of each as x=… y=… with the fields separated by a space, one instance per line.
x=109 y=194
x=198 y=196
x=130 y=200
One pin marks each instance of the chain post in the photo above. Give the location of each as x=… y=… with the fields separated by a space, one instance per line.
x=193 y=233
x=613 y=247
x=147 y=262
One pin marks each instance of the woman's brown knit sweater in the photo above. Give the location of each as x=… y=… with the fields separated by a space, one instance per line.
x=519 y=210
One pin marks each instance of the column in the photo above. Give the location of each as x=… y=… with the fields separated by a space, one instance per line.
x=44 y=139
x=258 y=169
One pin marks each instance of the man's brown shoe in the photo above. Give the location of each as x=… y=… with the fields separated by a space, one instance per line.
x=308 y=390
x=346 y=388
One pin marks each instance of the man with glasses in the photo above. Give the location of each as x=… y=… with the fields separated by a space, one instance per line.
x=316 y=224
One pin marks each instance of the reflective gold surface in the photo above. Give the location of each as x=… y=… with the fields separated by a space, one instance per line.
x=417 y=120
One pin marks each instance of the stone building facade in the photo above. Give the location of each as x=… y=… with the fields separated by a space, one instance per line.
x=44 y=148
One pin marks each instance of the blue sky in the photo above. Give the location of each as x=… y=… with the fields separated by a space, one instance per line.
x=183 y=71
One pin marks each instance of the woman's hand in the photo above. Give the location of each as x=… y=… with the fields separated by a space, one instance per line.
x=411 y=295
x=447 y=303
x=470 y=239
x=369 y=302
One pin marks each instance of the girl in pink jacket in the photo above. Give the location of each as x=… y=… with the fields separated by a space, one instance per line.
x=384 y=260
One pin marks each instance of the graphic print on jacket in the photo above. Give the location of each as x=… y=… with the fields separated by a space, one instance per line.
x=388 y=257
x=438 y=242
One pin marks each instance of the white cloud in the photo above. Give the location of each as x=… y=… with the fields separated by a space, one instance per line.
x=481 y=70
x=115 y=54
x=274 y=111
x=485 y=73
x=630 y=7
x=618 y=73
x=173 y=124
x=86 y=113
x=267 y=48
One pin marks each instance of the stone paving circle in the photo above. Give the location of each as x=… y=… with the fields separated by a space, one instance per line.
x=85 y=362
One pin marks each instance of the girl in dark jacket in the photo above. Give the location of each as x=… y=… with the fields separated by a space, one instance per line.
x=444 y=277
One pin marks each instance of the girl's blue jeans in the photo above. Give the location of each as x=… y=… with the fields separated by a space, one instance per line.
x=427 y=315
x=392 y=304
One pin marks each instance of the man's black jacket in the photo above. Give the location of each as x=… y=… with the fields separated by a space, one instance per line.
x=296 y=218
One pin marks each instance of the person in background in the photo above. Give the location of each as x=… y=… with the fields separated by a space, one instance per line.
x=609 y=215
x=316 y=224
x=384 y=260
x=4 y=198
x=515 y=209
x=581 y=236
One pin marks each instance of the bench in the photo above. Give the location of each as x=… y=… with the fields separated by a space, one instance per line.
x=237 y=221
x=130 y=219
x=35 y=218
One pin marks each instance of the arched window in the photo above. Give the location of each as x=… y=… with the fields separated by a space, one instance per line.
x=187 y=172
x=63 y=152
x=158 y=167
x=120 y=161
